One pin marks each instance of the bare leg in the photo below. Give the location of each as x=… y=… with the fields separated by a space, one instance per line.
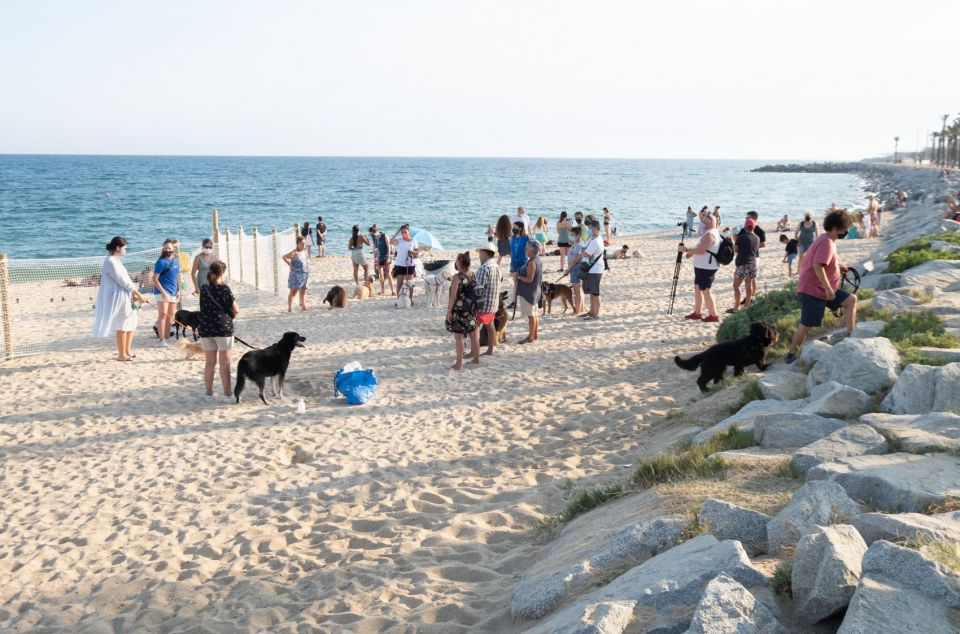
x=798 y=338
x=356 y=267
x=208 y=368
x=850 y=312
x=128 y=344
x=536 y=328
x=697 y=299
x=595 y=305
x=366 y=272
x=751 y=291
x=120 y=351
x=224 y=360
x=475 y=345
x=303 y=298
x=458 y=338
x=290 y=297
x=491 y=338
x=708 y=300
x=736 y=292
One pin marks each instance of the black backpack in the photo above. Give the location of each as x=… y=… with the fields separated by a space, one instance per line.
x=472 y=296
x=725 y=253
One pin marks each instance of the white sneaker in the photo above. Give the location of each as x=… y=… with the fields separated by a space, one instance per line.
x=229 y=398
x=208 y=397
x=164 y=344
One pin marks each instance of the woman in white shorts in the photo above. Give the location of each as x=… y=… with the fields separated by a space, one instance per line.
x=218 y=308
x=355 y=245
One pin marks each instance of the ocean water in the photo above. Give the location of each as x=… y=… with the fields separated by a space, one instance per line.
x=60 y=206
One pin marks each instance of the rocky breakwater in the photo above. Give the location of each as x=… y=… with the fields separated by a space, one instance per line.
x=869 y=542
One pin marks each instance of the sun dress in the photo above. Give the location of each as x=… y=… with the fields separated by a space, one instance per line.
x=299 y=271
x=114 y=307
x=462 y=320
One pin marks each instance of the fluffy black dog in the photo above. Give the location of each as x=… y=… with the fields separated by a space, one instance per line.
x=184 y=319
x=739 y=353
x=271 y=361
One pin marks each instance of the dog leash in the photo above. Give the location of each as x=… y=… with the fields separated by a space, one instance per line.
x=239 y=340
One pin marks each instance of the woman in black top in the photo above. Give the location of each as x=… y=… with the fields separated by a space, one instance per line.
x=218 y=308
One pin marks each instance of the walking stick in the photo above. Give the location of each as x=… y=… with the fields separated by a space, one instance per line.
x=676 y=270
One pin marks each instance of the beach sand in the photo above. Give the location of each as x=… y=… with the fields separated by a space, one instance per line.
x=130 y=504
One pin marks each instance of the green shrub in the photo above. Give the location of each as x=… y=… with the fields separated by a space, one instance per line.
x=589 y=499
x=769 y=307
x=783 y=579
x=865 y=294
x=910 y=355
x=918 y=251
x=914 y=329
x=691 y=460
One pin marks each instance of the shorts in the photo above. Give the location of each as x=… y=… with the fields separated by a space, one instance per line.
x=526 y=308
x=791 y=257
x=747 y=271
x=380 y=260
x=575 y=276
x=703 y=278
x=212 y=344
x=358 y=257
x=404 y=270
x=485 y=318
x=563 y=245
x=591 y=285
x=812 y=308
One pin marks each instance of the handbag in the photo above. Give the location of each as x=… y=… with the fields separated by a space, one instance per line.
x=586 y=266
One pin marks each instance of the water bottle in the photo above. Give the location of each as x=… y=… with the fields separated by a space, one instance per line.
x=301 y=406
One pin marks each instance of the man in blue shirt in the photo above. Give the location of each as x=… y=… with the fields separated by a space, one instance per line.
x=166 y=288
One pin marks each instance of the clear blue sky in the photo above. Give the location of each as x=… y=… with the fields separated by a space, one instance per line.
x=692 y=78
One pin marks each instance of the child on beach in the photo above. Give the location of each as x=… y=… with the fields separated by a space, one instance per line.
x=790 y=252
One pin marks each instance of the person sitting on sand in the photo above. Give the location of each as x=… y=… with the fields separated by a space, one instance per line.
x=783 y=224
x=461 y=319
x=623 y=253
x=820 y=278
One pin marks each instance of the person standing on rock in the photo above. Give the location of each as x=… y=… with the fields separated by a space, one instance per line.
x=819 y=285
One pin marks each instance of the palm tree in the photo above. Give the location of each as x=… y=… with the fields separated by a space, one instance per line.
x=943 y=137
x=896 y=142
x=934 y=139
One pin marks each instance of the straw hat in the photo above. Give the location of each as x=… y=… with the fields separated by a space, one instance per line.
x=488 y=248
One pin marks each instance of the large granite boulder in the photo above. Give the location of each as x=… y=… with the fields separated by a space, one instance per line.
x=745 y=418
x=941 y=245
x=729 y=608
x=919 y=433
x=814 y=504
x=939 y=273
x=853 y=440
x=914 y=390
x=868 y=329
x=826 y=569
x=901 y=527
x=661 y=594
x=793 y=430
x=811 y=351
x=869 y=365
x=729 y=521
x=901 y=482
x=838 y=400
x=621 y=534
x=783 y=385
x=892 y=300
x=947 y=394
x=912 y=569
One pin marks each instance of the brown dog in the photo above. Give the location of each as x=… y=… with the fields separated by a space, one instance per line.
x=556 y=291
x=337 y=297
x=365 y=290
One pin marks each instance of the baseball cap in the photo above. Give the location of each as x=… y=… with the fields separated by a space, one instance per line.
x=749 y=223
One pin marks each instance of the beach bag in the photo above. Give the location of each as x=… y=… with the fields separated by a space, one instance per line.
x=586 y=266
x=472 y=297
x=358 y=386
x=724 y=254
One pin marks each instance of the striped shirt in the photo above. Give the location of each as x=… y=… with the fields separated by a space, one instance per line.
x=488 y=276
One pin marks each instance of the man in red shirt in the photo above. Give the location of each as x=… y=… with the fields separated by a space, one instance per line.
x=818 y=287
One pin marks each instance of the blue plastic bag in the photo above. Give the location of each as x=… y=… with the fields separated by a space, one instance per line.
x=358 y=386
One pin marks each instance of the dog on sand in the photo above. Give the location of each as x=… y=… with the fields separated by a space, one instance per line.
x=184 y=319
x=189 y=349
x=552 y=291
x=500 y=321
x=365 y=290
x=337 y=297
x=271 y=361
x=749 y=350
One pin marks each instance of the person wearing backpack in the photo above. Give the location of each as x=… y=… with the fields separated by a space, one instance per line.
x=747 y=248
x=705 y=265
x=529 y=289
x=462 y=310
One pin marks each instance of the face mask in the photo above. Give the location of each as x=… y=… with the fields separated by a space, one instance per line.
x=406 y=236
x=168 y=254
x=208 y=250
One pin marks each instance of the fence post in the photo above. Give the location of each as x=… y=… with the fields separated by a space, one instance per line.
x=5 y=308
x=216 y=234
x=256 y=258
x=275 y=261
x=240 y=238
x=226 y=249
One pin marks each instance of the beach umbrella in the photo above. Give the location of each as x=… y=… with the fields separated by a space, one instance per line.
x=426 y=240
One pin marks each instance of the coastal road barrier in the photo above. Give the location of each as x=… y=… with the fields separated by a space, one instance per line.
x=47 y=304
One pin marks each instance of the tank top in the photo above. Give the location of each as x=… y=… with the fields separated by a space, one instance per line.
x=806 y=233
x=563 y=234
x=530 y=291
x=705 y=260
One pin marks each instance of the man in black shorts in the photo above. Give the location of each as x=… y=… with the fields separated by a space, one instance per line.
x=762 y=235
x=747 y=248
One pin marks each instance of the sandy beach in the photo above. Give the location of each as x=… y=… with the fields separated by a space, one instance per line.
x=133 y=505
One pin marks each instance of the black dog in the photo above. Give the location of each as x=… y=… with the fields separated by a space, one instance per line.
x=499 y=322
x=184 y=319
x=271 y=361
x=739 y=353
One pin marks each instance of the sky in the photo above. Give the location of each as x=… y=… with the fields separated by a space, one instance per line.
x=621 y=79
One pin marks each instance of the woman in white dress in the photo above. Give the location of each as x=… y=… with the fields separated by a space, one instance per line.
x=115 y=312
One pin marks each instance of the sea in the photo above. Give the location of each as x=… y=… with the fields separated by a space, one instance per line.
x=56 y=206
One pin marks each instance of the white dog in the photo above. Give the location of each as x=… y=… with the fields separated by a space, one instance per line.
x=433 y=286
x=403 y=297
